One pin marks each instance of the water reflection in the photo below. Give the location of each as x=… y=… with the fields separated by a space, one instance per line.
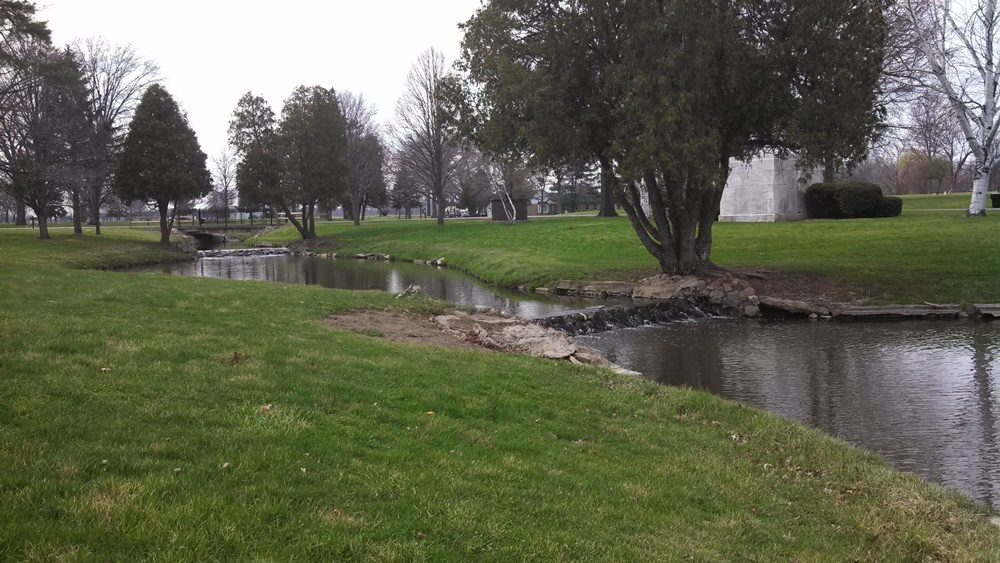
x=393 y=277
x=923 y=394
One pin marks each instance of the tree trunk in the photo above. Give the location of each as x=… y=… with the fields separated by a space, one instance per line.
x=77 y=212
x=164 y=225
x=829 y=171
x=608 y=185
x=95 y=209
x=43 y=227
x=94 y=194
x=21 y=214
x=980 y=183
x=303 y=231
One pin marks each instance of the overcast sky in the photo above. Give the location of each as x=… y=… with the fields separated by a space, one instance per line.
x=210 y=52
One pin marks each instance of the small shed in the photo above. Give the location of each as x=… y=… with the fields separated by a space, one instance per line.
x=499 y=211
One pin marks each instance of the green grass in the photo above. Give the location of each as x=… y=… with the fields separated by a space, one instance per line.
x=918 y=256
x=938 y=201
x=147 y=417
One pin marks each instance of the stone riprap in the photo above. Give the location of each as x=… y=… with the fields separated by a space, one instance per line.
x=794 y=306
x=513 y=334
x=225 y=253
x=900 y=312
x=613 y=318
x=731 y=296
x=988 y=310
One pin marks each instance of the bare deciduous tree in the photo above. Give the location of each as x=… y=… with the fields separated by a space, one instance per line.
x=44 y=134
x=365 y=154
x=934 y=134
x=421 y=132
x=958 y=42
x=224 y=174
x=116 y=78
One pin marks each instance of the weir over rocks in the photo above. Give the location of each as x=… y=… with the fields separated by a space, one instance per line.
x=612 y=318
x=226 y=253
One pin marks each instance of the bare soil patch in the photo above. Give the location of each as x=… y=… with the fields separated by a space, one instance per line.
x=804 y=287
x=399 y=328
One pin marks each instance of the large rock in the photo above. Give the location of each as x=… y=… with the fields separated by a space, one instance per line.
x=794 y=306
x=536 y=341
x=901 y=311
x=988 y=310
x=667 y=287
x=513 y=334
x=605 y=289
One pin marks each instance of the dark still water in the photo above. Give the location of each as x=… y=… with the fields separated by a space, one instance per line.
x=393 y=277
x=925 y=395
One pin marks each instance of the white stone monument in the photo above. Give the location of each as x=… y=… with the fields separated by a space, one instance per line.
x=767 y=189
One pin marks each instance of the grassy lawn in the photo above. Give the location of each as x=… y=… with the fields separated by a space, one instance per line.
x=919 y=256
x=939 y=201
x=146 y=417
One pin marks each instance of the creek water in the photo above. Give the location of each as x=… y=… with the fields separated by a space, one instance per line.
x=392 y=277
x=925 y=395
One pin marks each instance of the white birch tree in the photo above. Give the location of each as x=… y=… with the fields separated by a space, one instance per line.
x=958 y=42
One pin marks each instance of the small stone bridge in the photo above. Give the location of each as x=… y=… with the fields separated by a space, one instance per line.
x=211 y=234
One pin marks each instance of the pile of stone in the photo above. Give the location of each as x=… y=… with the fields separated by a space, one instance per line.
x=613 y=318
x=731 y=296
x=513 y=334
x=226 y=253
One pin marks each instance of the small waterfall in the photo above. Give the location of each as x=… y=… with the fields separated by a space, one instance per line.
x=613 y=318
x=226 y=253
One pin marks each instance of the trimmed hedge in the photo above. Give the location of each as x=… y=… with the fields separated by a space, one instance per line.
x=850 y=200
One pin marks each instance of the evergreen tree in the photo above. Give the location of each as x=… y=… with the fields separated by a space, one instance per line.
x=161 y=162
x=663 y=93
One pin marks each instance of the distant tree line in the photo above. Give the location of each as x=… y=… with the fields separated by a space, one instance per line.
x=64 y=113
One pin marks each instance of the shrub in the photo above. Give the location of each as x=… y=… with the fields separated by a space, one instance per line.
x=821 y=201
x=892 y=207
x=850 y=200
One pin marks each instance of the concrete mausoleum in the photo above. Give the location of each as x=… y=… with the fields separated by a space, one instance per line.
x=767 y=189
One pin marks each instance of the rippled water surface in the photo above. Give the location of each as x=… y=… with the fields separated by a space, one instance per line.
x=923 y=394
x=393 y=277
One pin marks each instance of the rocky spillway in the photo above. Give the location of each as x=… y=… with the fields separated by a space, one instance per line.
x=613 y=318
x=226 y=253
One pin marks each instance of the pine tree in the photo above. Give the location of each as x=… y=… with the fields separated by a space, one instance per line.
x=161 y=162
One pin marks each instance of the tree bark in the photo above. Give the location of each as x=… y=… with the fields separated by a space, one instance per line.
x=21 y=214
x=77 y=212
x=43 y=227
x=980 y=183
x=303 y=232
x=829 y=172
x=95 y=194
x=608 y=184
x=164 y=225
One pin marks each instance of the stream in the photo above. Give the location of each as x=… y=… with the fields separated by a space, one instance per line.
x=923 y=394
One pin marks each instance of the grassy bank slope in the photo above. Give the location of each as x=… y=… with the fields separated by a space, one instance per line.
x=919 y=256
x=156 y=418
